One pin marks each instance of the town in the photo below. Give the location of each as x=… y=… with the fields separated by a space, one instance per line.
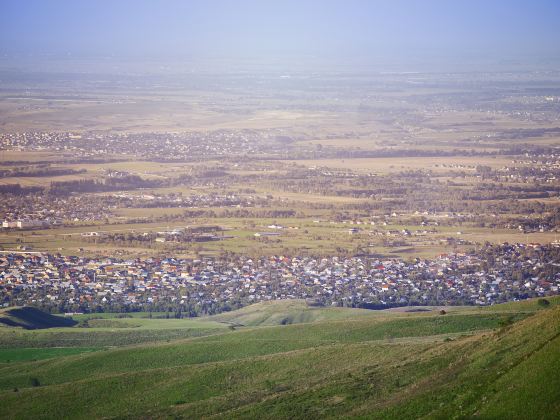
x=187 y=287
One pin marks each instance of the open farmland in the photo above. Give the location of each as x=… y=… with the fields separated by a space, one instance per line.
x=410 y=172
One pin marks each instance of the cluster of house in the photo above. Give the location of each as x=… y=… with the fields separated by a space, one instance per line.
x=45 y=209
x=24 y=224
x=542 y=171
x=178 y=234
x=131 y=200
x=42 y=210
x=40 y=140
x=74 y=284
x=153 y=145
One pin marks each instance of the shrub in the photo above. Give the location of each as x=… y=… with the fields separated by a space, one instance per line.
x=543 y=302
x=506 y=322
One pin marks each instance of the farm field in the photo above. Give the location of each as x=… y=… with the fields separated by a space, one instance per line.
x=405 y=167
x=391 y=165
x=303 y=234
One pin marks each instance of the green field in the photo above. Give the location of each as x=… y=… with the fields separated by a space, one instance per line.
x=288 y=360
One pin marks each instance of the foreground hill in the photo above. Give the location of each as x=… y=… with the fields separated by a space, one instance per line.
x=31 y=319
x=491 y=364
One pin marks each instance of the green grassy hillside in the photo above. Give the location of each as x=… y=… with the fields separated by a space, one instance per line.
x=283 y=312
x=31 y=319
x=528 y=305
x=109 y=332
x=374 y=365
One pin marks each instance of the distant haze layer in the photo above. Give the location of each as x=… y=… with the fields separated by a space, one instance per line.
x=147 y=36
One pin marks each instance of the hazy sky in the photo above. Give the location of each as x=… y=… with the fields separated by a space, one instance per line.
x=332 y=29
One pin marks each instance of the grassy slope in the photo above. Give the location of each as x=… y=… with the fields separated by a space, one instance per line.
x=24 y=354
x=387 y=365
x=286 y=312
x=247 y=343
x=529 y=305
x=96 y=337
x=102 y=332
x=283 y=312
x=111 y=330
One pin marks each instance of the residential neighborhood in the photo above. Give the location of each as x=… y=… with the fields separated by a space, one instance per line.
x=196 y=287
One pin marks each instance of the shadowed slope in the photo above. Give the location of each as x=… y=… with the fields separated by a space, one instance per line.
x=32 y=319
